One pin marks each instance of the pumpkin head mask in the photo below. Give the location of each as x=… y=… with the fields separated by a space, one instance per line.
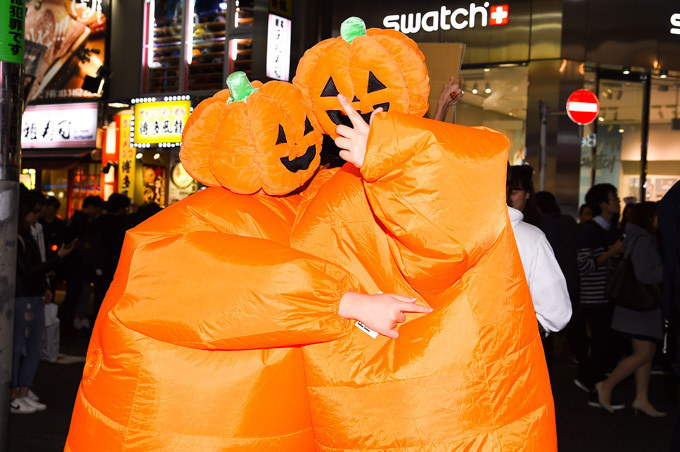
x=252 y=137
x=372 y=68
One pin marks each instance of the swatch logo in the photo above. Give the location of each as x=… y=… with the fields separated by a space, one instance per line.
x=675 y=22
x=445 y=19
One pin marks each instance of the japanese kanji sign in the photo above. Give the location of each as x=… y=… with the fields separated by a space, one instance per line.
x=126 y=158
x=160 y=122
x=278 y=48
x=59 y=126
x=12 y=31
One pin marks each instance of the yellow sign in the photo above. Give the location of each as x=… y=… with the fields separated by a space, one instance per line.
x=161 y=122
x=126 y=158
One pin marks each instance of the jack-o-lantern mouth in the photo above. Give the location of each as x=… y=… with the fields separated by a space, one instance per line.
x=300 y=163
x=338 y=117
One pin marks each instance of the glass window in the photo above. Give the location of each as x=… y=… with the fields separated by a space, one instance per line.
x=164 y=45
x=497 y=98
x=205 y=55
x=663 y=158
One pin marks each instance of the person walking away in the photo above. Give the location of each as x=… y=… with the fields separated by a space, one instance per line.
x=645 y=329
x=598 y=241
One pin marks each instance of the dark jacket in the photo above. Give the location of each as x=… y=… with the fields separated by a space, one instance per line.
x=31 y=279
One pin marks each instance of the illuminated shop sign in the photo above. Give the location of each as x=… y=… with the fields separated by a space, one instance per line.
x=59 y=126
x=471 y=16
x=675 y=22
x=278 y=48
x=159 y=123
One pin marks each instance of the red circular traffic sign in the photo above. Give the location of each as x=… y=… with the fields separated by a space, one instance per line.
x=582 y=106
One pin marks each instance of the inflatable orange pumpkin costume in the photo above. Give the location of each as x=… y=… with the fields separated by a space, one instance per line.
x=191 y=347
x=425 y=217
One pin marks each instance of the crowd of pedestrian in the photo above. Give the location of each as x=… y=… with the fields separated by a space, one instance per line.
x=77 y=256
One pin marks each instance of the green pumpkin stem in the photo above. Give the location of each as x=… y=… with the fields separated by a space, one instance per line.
x=351 y=28
x=239 y=87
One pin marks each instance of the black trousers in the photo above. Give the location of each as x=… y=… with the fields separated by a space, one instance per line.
x=605 y=344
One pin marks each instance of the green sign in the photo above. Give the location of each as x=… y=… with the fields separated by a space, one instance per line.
x=12 y=31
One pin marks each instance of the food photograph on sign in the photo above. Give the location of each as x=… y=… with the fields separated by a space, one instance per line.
x=66 y=43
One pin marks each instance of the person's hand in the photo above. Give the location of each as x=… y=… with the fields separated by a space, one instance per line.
x=617 y=247
x=48 y=296
x=352 y=140
x=65 y=250
x=450 y=95
x=380 y=312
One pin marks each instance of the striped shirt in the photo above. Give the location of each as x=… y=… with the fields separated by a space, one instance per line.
x=593 y=241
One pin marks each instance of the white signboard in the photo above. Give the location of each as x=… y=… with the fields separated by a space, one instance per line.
x=59 y=126
x=278 y=48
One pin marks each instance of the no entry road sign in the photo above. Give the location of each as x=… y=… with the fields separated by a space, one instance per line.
x=582 y=106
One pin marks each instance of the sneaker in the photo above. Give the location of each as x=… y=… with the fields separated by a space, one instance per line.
x=32 y=395
x=20 y=406
x=579 y=384
x=37 y=405
x=592 y=401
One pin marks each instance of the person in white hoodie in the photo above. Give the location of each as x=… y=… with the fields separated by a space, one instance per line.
x=547 y=284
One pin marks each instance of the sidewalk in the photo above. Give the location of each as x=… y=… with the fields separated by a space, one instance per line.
x=580 y=428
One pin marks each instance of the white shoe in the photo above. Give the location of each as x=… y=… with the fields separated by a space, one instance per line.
x=32 y=395
x=37 y=405
x=20 y=406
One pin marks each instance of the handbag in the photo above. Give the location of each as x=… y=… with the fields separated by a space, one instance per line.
x=623 y=288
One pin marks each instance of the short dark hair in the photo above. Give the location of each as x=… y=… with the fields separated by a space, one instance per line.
x=521 y=179
x=117 y=202
x=598 y=194
x=583 y=207
x=52 y=201
x=547 y=202
x=94 y=201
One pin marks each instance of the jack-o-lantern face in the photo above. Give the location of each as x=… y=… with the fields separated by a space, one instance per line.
x=371 y=68
x=266 y=140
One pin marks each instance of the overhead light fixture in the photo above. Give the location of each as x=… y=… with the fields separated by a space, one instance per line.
x=626 y=70
x=663 y=73
x=487 y=90
x=621 y=130
x=601 y=119
x=474 y=88
x=139 y=155
x=156 y=156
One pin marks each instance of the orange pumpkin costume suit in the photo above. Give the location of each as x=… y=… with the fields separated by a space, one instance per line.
x=469 y=376
x=191 y=347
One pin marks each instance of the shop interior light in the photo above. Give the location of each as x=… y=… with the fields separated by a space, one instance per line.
x=621 y=130
x=118 y=105
x=474 y=88
x=139 y=156
x=487 y=90
x=222 y=6
x=156 y=156
x=626 y=70
x=663 y=73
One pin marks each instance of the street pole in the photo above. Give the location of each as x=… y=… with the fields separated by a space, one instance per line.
x=11 y=107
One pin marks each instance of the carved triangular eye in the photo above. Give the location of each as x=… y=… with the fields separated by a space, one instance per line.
x=282 y=136
x=356 y=99
x=329 y=90
x=308 y=126
x=373 y=83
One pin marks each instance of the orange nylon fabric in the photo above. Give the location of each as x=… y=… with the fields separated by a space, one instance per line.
x=469 y=376
x=187 y=352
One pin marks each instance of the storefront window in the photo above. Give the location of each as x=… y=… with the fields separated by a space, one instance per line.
x=164 y=45
x=497 y=98
x=189 y=54
x=205 y=60
x=663 y=156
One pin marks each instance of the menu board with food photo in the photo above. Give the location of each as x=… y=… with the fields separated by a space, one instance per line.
x=71 y=35
x=154 y=184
